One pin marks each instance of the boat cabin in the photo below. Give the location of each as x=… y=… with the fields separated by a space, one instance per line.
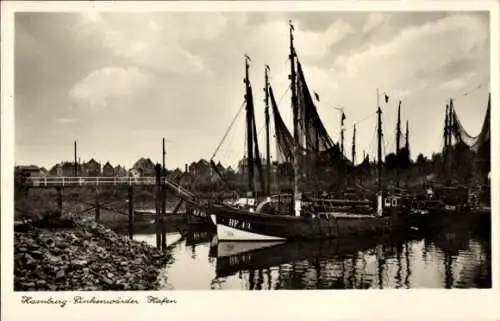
x=393 y=204
x=393 y=201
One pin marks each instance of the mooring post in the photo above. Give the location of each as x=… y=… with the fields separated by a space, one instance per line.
x=163 y=214
x=131 y=212
x=97 y=206
x=158 y=205
x=59 y=199
x=163 y=237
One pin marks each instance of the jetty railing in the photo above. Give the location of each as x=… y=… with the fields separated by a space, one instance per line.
x=72 y=181
x=60 y=181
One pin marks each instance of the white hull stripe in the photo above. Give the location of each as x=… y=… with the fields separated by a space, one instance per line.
x=231 y=234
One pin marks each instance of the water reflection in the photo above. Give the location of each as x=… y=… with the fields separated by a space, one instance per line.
x=448 y=259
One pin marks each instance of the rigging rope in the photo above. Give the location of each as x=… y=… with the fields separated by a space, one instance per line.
x=283 y=95
x=229 y=129
x=467 y=93
x=365 y=118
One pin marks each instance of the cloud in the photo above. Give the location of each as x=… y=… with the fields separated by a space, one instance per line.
x=419 y=52
x=91 y=16
x=104 y=85
x=66 y=120
x=317 y=45
x=155 y=40
x=181 y=74
x=374 y=20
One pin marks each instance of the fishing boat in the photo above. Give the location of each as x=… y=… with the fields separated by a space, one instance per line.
x=303 y=216
x=466 y=204
x=197 y=216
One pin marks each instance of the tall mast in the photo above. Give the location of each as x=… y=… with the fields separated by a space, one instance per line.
x=76 y=165
x=446 y=127
x=354 y=145
x=268 y=151
x=379 y=147
x=450 y=123
x=295 y=123
x=446 y=140
x=249 y=129
x=342 y=134
x=163 y=157
x=398 y=129
x=407 y=139
x=398 y=141
x=163 y=180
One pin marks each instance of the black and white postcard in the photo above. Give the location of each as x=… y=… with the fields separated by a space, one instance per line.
x=171 y=159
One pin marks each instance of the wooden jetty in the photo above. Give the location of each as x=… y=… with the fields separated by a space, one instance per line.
x=159 y=182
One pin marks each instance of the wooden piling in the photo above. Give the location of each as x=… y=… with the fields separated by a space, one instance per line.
x=59 y=200
x=97 y=206
x=131 y=212
x=162 y=222
x=163 y=217
x=158 y=206
x=163 y=200
x=76 y=164
x=163 y=237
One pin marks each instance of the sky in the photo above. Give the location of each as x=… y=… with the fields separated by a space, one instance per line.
x=117 y=83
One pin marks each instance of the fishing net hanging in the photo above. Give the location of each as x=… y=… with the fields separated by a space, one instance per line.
x=460 y=134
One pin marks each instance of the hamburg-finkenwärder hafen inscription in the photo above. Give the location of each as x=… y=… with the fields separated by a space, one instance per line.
x=251 y=151
x=82 y=300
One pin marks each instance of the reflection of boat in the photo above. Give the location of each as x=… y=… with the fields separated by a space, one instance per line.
x=147 y=215
x=172 y=238
x=212 y=253
x=235 y=248
x=266 y=257
x=199 y=236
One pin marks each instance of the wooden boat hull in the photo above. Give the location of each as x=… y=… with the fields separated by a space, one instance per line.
x=237 y=225
x=450 y=217
x=197 y=215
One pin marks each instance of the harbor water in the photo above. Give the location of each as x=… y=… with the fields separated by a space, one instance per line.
x=445 y=259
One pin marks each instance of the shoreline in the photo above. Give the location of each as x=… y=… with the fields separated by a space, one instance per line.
x=83 y=256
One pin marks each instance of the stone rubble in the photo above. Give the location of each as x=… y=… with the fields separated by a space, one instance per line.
x=88 y=257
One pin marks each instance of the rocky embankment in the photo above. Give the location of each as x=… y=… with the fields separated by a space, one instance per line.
x=84 y=257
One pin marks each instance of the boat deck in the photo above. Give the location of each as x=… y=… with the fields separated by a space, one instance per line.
x=344 y=215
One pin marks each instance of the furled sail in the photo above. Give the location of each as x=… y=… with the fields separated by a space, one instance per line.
x=255 y=160
x=317 y=145
x=284 y=139
x=320 y=146
x=311 y=126
x=258 y=160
